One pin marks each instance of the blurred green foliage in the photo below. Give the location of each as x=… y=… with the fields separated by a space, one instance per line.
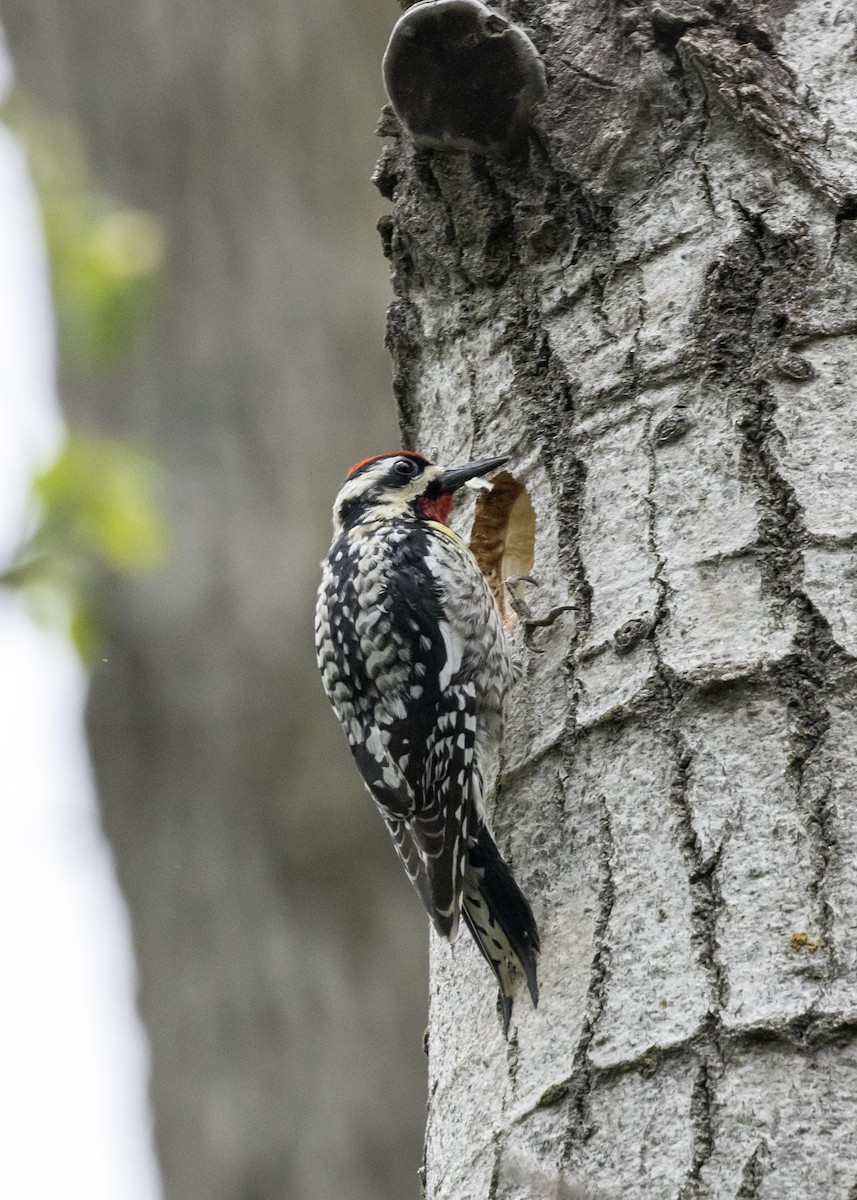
x=105 y=258
x=96 y=505
x=96 y=509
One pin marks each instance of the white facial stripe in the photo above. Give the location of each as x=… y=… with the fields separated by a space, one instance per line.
x=431 y=472
x=396 y=501
x=352 y=489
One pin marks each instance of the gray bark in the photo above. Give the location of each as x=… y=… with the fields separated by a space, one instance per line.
x=281 y=952
x=652 y=309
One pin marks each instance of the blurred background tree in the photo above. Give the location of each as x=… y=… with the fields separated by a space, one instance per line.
x=281 y=954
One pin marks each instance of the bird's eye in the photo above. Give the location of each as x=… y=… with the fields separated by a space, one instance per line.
x=406 y=467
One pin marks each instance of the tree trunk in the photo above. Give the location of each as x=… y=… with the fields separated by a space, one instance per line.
x=651 y=307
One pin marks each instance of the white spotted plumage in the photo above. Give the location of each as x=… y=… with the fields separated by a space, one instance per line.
x=415 y=662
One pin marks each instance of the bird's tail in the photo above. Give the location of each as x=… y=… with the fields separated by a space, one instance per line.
x=500 y=919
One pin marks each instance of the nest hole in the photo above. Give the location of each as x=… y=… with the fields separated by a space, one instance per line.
x=503 y=540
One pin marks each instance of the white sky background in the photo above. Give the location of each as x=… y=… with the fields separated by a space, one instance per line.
x=73 y=1112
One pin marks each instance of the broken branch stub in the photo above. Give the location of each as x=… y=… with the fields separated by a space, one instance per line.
x=462 y=77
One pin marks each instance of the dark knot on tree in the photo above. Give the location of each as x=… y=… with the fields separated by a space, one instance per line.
x=462 y=77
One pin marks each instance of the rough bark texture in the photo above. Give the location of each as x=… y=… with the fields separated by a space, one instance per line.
x=653 y=309
x=281 y=952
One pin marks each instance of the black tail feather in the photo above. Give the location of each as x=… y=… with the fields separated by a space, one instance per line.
x=501 y=922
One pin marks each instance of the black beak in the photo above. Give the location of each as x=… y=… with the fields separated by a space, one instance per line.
x=456 y=477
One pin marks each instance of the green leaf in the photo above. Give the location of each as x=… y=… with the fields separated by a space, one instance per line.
x=99 y=506
x=98 y=500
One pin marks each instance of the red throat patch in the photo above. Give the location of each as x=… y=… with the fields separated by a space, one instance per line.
x=437 y=510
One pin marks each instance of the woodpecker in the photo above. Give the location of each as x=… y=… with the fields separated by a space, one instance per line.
x=415 y=663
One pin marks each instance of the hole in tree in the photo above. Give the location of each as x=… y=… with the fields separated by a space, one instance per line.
x=848 y=208
x=668 y=30
x=746 y=35
x=503 y=540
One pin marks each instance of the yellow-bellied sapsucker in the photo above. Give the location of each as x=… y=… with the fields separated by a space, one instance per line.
x=414 y=661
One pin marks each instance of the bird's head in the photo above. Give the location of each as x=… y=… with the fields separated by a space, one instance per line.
x=404 y=484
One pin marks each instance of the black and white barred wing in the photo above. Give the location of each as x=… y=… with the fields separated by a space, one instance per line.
x=444 y=817
x=428 y=806
x=411 y=857
x=385 y=776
